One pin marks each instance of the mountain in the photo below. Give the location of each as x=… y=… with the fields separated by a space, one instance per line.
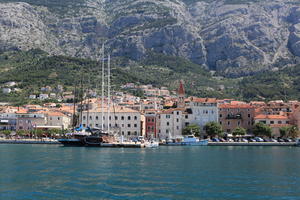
x=234 y=37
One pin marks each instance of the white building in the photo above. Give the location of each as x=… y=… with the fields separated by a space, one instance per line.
x=6 y=90
x=204 y=110
x=170 y=123
x=58 y=119
x=127 y=121
x=43 y=96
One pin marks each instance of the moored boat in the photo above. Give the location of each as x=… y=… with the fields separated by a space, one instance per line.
x=189 y=140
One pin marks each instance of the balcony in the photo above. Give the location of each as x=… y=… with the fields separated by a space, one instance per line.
x=234 y=116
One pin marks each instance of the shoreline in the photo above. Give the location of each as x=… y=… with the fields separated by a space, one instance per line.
x=38 y=141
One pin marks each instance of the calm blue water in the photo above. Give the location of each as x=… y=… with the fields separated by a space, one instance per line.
x=55 y=172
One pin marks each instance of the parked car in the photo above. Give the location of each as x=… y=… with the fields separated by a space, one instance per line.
x=244 y=140
x=273 y=140
x=222 y=140
x=252 y=140
x=288 y=140
x=230 y=140
x=258 y=139
x=215 y=140
x=280 y=140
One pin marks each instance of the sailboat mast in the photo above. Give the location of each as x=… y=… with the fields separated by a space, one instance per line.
x=102 y=90
x=108 y=94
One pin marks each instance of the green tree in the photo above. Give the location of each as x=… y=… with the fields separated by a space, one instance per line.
x=213 y=129
x=21 y=132
x=192 y=129
x=284 y=131
x=6 y=132
x=293 y=132
x=239 y=131
x=261 y=129
x=38 y=133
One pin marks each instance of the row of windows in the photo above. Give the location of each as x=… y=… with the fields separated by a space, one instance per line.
x=221 y=115
x=116 y=125
x=239 y=123
x=116 y=118
x=233 y=109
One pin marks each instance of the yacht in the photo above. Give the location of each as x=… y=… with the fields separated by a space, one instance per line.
x=189 y=140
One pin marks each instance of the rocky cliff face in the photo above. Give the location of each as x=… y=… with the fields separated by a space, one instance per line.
x=235 y=38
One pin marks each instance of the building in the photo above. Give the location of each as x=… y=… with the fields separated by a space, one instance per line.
x=203 y=110
x=170 y=123
x=151 y=123
x=58 y=119
x=124 y=120
x=274 y=121
x=236 y=115
x=6 y=90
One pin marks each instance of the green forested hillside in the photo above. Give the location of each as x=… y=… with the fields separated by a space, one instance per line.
x=35 y=69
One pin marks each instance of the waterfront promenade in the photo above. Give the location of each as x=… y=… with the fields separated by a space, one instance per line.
x=54 y=141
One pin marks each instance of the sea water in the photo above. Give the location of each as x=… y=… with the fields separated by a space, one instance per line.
x=199 y=172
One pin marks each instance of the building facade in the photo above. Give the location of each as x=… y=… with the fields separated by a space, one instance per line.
x=124 y=120
x=232 y=116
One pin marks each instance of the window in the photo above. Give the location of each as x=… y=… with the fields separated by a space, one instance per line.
x=228 y=123
x=135 y=125
x=168 y=116
x=129 y=118
x=220 y=122
x=168 y=123
x=128 y=133
x=152 y=120
x=135 y=117
x=84 y=117
x=122 y=132
x=228 y=130
x=122 y=118
x=128 y=125
x=97 y=125
x=116 y=117
x=221 y=115
x=271 y=122
x=279 y=122
x=249 y=115
x=187 y=123
x=97 y=117
x=239 y=123
x=50 y=118
x=90 y=117
x=149 y=128
x=177 y=112
x=287 y=122
x=84 y=125
x=177 y=127
x=177 y=120
x=123 y=125
x=135 y=133
x=186 y=116
x=148 y=120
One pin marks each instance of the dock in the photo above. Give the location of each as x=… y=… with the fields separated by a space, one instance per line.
x=27 y=141
x=252 y=144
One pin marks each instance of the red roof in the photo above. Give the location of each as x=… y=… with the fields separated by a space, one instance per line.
x=235 y=106
x=204 y=100
x=261 y=116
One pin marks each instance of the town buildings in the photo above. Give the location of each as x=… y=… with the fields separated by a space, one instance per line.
x=124 y=120
x=233 y=115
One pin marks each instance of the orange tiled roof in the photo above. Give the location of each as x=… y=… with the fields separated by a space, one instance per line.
x=261 y=116
x=204 y=100
x=233 y=106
